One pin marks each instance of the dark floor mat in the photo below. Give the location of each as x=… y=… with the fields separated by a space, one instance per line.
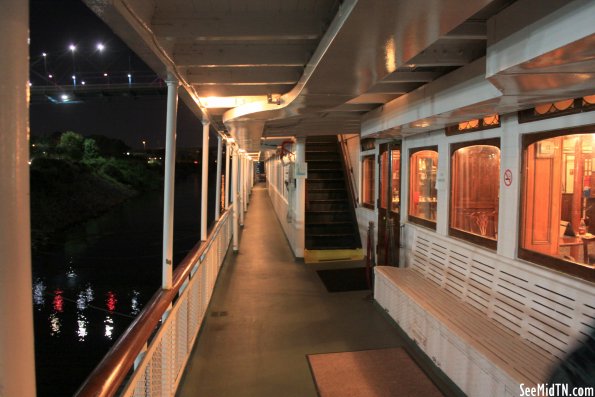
x=341 y=280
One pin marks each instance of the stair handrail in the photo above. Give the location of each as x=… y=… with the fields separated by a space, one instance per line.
x=349 y=169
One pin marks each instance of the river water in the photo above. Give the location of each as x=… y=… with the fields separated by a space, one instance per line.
x=91 y=280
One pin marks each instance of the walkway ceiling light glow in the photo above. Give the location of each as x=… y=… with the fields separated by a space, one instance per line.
x=230 y=101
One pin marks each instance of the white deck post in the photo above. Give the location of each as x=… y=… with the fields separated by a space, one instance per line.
x=242 y=185
x=235 y=198
x=17 y=360
x=168 y=183
x=218 y=182
x=227 y=159
x=300 y=197
x=204 y=180
x=247 y=181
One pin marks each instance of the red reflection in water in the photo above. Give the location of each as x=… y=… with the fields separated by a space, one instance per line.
x=111 y=301
x=58 y=301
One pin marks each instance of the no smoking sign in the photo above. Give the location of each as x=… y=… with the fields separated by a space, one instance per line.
x=508 y=177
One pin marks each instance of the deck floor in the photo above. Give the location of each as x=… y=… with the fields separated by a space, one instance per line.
x=268 y=312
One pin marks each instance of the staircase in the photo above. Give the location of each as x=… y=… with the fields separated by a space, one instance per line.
x=330 y=218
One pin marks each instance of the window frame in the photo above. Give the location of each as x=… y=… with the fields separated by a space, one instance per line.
x=551 y=262
x=463 y=235
x=412 y=218
x=364 y=204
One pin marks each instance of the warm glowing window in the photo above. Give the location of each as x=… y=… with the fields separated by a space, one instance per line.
x=475 y=180
x=368 y=181
x=484 y=123
x=559 y=108
x=558 y=204
x=395 y=182
x=423 y=165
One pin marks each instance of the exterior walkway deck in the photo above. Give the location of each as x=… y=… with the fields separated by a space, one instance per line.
x=268 y=312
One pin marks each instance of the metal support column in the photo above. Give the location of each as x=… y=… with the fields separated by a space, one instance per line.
x=235 y=199
x=204 y=180
x=300 y=197
x=242 y=186
x=227 y=159
x=245 y=179
x=218 y=182
x=17 y=360
x=248 y=186
x=168 y=183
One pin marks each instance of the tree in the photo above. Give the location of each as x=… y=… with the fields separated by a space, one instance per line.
x=71 y=145
x=90 y=149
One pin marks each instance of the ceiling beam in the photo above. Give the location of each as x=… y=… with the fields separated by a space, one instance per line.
x=239 y=28
x=244 y=55
x=445 y=53
x=223 y=90
x=411 y=77
x=469 y=30
x=261 y=75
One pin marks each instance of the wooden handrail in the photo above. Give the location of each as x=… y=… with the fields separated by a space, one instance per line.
x=110 y=373
x=348 y=169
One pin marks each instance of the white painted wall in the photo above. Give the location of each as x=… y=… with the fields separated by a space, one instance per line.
x=293 y=226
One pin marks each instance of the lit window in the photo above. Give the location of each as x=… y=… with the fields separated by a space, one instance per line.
x=395 y=181
x=475 y=177
x=368 y=181
x=423 y=165
x=558 y=204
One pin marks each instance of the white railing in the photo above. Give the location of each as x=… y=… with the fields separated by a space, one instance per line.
x=149 y=358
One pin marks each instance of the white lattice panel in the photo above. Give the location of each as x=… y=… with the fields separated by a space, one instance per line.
x=549 y=310
x=162 y=365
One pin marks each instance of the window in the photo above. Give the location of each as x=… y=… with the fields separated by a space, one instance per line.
x=487 y=122
x=423 y=164
x=395 y=182
x=475 y=181
x=558 y=202
x=368 y=181
x=556 y=109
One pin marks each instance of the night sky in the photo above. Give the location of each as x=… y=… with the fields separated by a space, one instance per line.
x=54 y=25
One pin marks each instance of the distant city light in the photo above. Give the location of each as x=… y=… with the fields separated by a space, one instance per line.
x=30 y=84
x=105 y=75
x=82 y=82
x=43 y=54
x=72 y=47
x=100 y=47
x=74 y=77
x=51 y=76
x=64 y=97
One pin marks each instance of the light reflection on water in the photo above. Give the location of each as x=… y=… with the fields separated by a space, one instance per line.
x=91 y=280
x=82 y=326
x=82 y=303
x=39 y=294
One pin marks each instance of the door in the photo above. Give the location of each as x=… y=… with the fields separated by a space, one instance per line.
x=389 y=204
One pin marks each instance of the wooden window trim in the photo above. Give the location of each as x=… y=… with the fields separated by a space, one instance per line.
x=412 y=218
x=550 y=262
x=470 y=237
